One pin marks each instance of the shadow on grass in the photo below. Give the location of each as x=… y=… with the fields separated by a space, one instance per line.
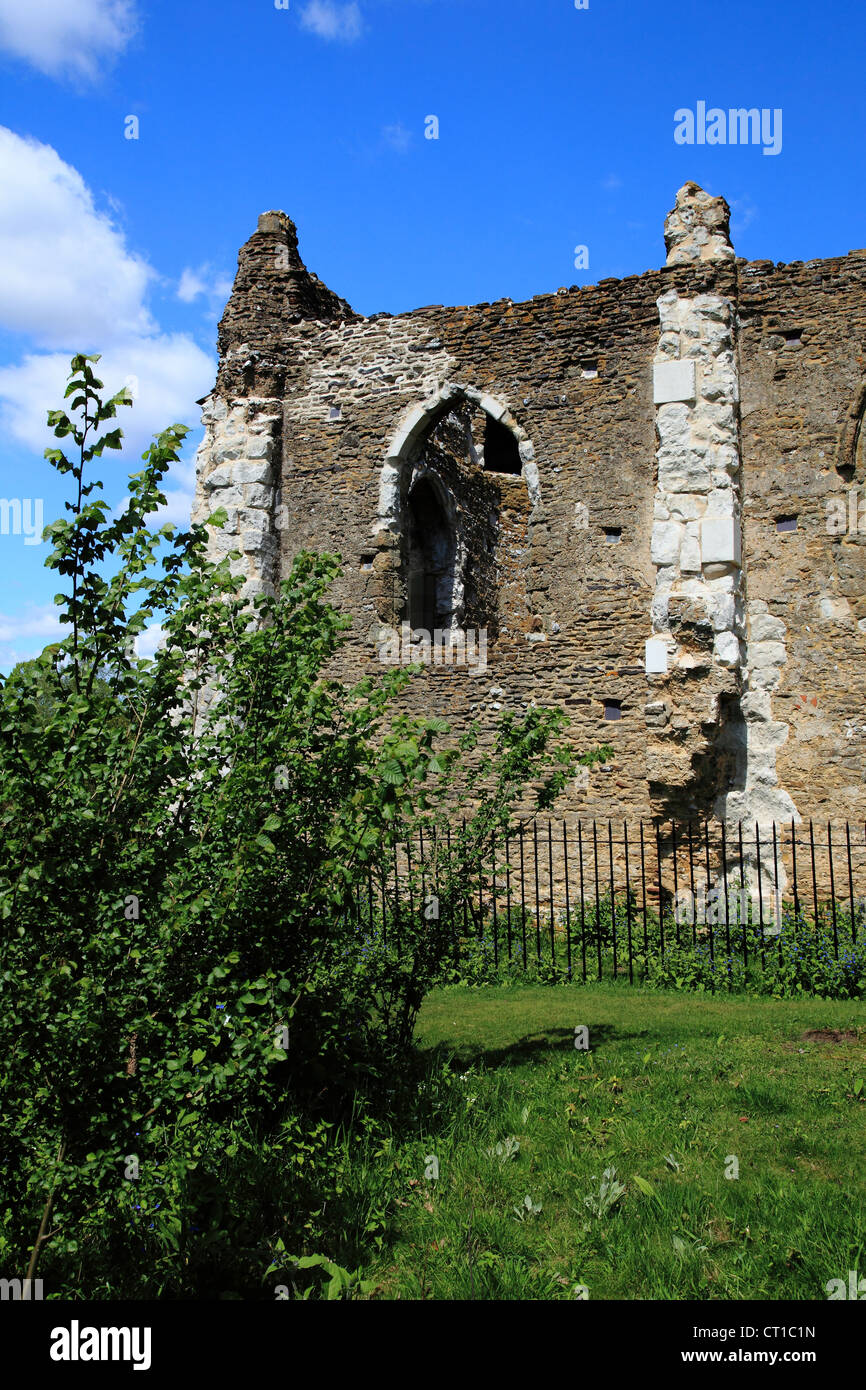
x=531 y=1047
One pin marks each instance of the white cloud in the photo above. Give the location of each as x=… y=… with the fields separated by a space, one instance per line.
x=147 y=643
x=42 y=622
x=69 y=280
x=70 y=284
x=191 y=286
x=172 y=372
x=743 y=213
x=23 y=636
x=611 y=183
x=215 y=285
x=398 y=137
x=179 y=491
x=74 y=39
x=333 y=21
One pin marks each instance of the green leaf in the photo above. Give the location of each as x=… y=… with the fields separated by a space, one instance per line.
x=646 y=1187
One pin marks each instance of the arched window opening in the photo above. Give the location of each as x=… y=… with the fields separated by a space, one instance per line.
x=851 y=448
x=501 y=450
x=432 y=554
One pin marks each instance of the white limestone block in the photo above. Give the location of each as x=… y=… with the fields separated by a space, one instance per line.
x=722 y=609
x=252 y=472
x=669 y=346
x=683 y=507
x=258 y=495
x=259 y=446
x=684 y=473
x=669 y=306
x=674 y=381
x=714 y=307
x=492 y=407
x=763 y=627
x=226 y=451
x=720 y=541
x=720 y=502
x=220 y=477
x=726 y=649
x=835 y=610
x=690 y=552
x=765 y=654
x=666 y=540
x=254 y=522
x=659 y=609
x=229 y=497
x=656 y=657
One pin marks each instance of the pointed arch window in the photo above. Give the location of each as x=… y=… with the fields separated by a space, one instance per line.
x=432 y=556
x=501 y=449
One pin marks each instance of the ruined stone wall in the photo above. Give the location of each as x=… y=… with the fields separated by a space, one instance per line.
x=803 y=365
x=642 y=510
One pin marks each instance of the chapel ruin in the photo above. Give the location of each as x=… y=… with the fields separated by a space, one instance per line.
x=648 y=494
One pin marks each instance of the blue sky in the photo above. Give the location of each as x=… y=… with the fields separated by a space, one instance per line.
x=556 y=129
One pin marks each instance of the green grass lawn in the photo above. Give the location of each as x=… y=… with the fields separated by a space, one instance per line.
x=675 y=1091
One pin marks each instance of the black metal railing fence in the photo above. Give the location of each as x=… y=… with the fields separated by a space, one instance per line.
x=599 y=899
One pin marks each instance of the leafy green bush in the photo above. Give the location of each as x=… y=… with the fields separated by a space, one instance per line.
x=802 y=958
x=191 y=1003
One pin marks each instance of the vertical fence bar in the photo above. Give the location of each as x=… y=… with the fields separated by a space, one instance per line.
x=693 y=891
x=409 y=881
x=661 y=898
x=550 y=888
x=567 y=901
x=794 y=870
x=612 y=891
x=777 y=896
x=466 y=889
x=480 y=892
x=397 y=932
x=583 y=902
x=597 y=898
x=863 y=900
x=832 y=893
x=745 y=912
x=730 y=971
x=508 y=889
x=537 y=899
x=434 y=881
x=627 y=902
x=522 y=897
x=452 y=904
x=850 y=878
x=814 y=875
x=676 y=884
x=495 y=920
x=853 y=923
x=760 y=896
x=711 y=924
x=643 y=895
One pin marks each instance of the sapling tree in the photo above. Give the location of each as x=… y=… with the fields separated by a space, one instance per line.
x=189 y=995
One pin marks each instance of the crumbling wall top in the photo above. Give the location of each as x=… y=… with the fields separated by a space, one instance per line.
x=698 y=228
